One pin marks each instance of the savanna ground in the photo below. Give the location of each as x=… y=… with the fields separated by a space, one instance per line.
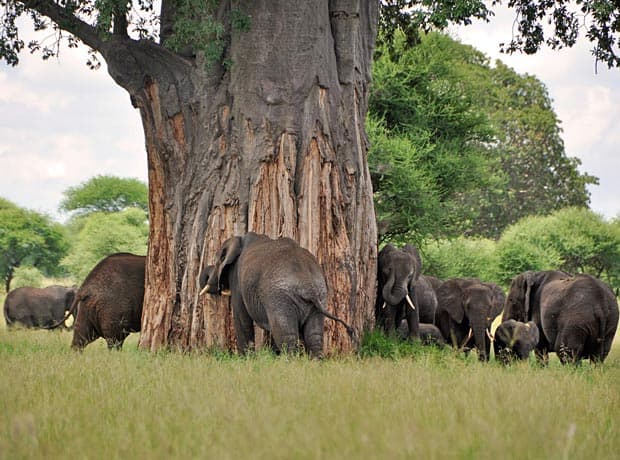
x=404 y=402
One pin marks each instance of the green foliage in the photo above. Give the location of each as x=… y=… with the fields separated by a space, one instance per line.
x=28 y=238
x=537 y=176
x=480 y=145
x=27 y=276
x=101 y=234
x=576 y=240
x=429 y=145
x=105 y=193
x=377 y=344
x=461 y=258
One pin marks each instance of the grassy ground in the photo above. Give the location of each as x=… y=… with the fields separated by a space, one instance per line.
x=55 y=403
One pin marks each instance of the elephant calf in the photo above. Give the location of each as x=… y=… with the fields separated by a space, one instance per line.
x=109 y=302
x=515 y=339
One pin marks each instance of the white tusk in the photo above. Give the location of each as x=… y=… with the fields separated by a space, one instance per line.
x=226 y=292
x=469 y=336
x=204 y=289
x=409 y=301
x=489 y=335
x=384 y=305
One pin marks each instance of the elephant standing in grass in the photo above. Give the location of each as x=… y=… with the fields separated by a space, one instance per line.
x=109 y=302
x=398 y=271
x=276 y=284
x=38 y=308
x=515 y=339
x=466 y=308
x=577 y=315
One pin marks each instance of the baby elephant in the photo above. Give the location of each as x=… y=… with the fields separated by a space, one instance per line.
x=276 y=284
x=515 y=339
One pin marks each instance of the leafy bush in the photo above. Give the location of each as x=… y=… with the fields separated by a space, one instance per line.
x=101 y=234
x=27 y=276
x=573 y=239
x=461 y=257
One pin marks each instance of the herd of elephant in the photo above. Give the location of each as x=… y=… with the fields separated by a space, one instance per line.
x=280 y=286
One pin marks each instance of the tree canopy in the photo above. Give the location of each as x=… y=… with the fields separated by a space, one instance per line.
x=462 y=147
x=105 y=194
x=100 y=234
x=28 y=238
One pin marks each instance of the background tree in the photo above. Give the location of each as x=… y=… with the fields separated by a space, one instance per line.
x=573 y=239
x=28 y=238
x=463 y=147
x=105 y=193
x=538 y=177
x=430 y=144
x=101 y=234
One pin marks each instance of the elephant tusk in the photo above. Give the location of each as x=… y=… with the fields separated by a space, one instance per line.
x=226 y=292
x=469 y=336
x=202 y=291
x=409 y=301
x=491 y=338
x=384 y=305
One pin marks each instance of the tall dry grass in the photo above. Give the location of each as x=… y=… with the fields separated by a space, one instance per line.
x=434 y=404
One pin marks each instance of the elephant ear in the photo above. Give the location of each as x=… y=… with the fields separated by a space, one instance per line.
x=69 y=298
x=505 y=331
x=450 y=299
x=499 y=298
x=529 y=280
x=417 y=260
x=533 y=331
x=228 y=255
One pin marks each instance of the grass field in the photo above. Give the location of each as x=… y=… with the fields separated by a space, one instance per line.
x=431 y=404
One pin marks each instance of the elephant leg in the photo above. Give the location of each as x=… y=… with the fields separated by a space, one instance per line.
x=312 y=331
x=570 y=345
x=285 y=332
x=389 y=320
x=244 y=329
x=115 y=343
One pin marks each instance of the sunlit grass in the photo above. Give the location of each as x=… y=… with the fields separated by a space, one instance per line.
x=413 y=402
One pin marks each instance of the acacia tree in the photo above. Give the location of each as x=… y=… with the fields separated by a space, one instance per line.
x=253 y=114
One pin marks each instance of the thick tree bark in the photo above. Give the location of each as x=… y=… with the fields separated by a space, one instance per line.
x=274 y=144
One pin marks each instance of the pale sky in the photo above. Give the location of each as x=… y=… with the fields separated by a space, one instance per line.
x=61 y=123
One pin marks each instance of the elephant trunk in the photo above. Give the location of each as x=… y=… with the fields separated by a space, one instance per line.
x=480 y=336
x=394 y=292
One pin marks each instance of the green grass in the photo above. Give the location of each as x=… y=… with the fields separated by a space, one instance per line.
x=395 y=402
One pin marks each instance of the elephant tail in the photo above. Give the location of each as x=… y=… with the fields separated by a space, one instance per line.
x=7 y=320
x=352 y=333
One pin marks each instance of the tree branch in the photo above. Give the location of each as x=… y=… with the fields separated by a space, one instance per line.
x=66 y=21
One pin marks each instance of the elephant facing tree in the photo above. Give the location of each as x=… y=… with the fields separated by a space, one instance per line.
x=276 y=284
x=515 y=339
x=577 y=315
x=38 y=307
x=398 y=276
x=109 y=302
x=466 y=308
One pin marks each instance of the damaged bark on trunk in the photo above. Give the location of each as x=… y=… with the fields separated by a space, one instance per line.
x=274 y=144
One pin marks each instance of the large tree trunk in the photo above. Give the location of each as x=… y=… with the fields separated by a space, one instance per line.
x=273 y=143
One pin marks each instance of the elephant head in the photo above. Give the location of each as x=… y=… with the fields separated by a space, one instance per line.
x=522 y=295
x=216 y=277
x=472 y=305
x=515 y=339
x=398 y=270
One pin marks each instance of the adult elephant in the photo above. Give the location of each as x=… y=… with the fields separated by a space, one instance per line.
x=109 y=302
x=398 y=273
x=38 y=307
x=466 y=308
x=515 y=339
x=276 y=284
x=577 y=315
